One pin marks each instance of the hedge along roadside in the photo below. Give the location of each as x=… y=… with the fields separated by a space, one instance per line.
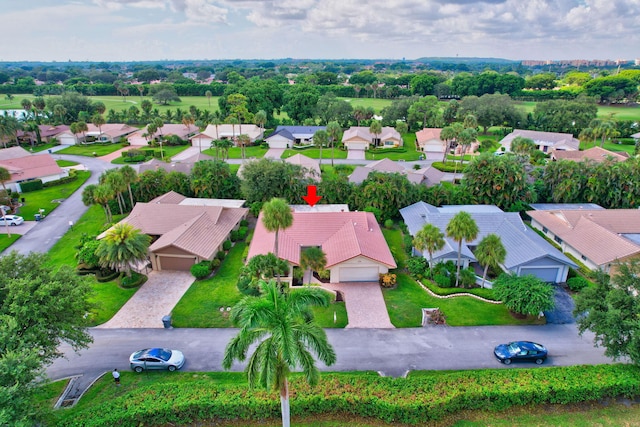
x=422 y=397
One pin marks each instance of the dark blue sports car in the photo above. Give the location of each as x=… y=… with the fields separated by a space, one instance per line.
x=521 y=351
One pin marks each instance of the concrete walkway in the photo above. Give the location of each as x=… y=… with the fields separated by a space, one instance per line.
x=365 y=305
x=154 y=300
x=189 y=152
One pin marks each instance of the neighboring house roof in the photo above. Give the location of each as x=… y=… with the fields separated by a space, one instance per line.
x=341 y=235
x=113 y=130
x=601 y=235
x=296 y=132
x=13 y=153
x=522 y=244
x=564 y=206
x=429 y=176
x=227 y=131
x=636 y=135
x=197 y=229
x=180 y=130
x=312 y=165
x=31 y=166
x=46 y=131
x=428 y=134
x=363 y=133
x=155 y=164
x=553 y=140
x=596 y=154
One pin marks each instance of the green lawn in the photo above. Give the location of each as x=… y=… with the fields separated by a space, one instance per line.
x=396 y=245
x=43 y=199
x=314 y=153
x=377 y=103
x=169 y=152
x=608 y=145
x=66 y=163
x=6 y=241
x=89 y=150
x=254 y=151
x=329 y=171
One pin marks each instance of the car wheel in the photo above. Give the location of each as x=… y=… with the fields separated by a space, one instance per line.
x=507 y=361
x=172 y=368
x=13 y=224
x=539 y=361
x=138 y=369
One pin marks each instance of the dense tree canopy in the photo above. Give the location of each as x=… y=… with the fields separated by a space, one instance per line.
x=214 y=179
x=563 y=116
x=492 y=110
x=264 y=179
x=526 y=295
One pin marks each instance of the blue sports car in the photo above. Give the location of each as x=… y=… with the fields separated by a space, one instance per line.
x=521 y=351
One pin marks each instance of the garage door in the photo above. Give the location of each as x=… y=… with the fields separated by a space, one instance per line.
x=176 y=263
x=66 y=140
x=359 y=274
x=545 y=274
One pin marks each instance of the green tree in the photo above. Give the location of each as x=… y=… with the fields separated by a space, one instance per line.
x=282 y=326
x=208 y=94
x=314 y=259
x=611 y=310
x=123 y=247
x=261 y=267
x=9 y=127
x=300 y=101
x=334 y=130
x=4 y=177
x=522 y=145
x=526 y=295
x=130 y=176
x=490 y=252
x=214 y=179
x=165 y=96
x=431 y=239
x=448 y=135
x=385 y=192
x=264 y=179
x=114 y=179
x=376 y=129
x=331 y=108
x=492 y=110
x=102 y=194
x=41 y=307
x=320 y=139
x=461 y=227
x=425 y=110
x=276 y=216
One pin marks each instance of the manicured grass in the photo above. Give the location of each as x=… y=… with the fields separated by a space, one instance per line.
x=204 y=304
x=396 y=245
x=6 y=241
x=254 y=151
x=314 y=153
x=65 y=163
x=377 y=103
x=410 y=155
x=406 y=301
x=43 y=199
x=41 y=147
x=608 y=145
x=325 y=316
x=90 y=149
x=108 y=297
x=168 y=153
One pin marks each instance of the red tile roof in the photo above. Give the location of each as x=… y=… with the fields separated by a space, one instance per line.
x=31 y=167
x=341 y=235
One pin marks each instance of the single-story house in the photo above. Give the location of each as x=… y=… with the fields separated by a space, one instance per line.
x=595 y=154
x=108 y=132
x=141 y=138
x=428 y=176
x=360 y=138
x=545 y=141
x=288 y=136
x=527 y=252
x=598 y=238
x=428 y=140
x=311 y=165
x=212 y=133
x=47 y=133
x=353 y=243
x=24 y=166
x=183 y=166
x=185 y=231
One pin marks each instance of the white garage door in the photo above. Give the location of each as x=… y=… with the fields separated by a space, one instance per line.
x=544 y=274
x=66 y=140
x=359 y=274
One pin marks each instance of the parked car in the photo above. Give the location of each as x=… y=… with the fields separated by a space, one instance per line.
x=521 y=351
x=156 y=358
x=11 y=220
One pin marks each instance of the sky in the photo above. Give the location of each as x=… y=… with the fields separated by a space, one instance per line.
x=143 y=30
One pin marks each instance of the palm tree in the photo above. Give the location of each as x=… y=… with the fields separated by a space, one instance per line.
x=208 y=94
x=9 y=127
x=187 y=120
x=243 y=141
x=461 y=227
x=5 y=176
x=98 y=121
x=320 y=139
x=123 y=247
x=522 y=145
x=129 y=175
x=260 y=118
x=285 y=333
x=314 y=259
x=276 y=216
x=82 y=127
x=490 y=253
x=376 y=129
x=115 y=180
x=335 y=132
x=102 y=195
x=60 y=111
x=431 y=239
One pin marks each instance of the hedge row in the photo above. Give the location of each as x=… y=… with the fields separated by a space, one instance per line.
x=420 y=398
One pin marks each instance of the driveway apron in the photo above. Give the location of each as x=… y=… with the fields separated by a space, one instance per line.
x=563 y=310
x=365 y=305
x=154 y=300
x=274 y=153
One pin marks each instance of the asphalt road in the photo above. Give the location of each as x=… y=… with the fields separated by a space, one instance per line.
x=391 y=352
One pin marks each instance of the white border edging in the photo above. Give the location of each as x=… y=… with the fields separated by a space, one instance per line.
x=462 y=294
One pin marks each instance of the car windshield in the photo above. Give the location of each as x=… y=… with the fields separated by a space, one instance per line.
x=160 y=353
x=514 y=348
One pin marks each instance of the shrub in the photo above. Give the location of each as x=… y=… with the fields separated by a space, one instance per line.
x=220 y=255
x=387 y=280
x=417 y=265
x=73 y=175
x=577 y=283
x=467 y=277
x=244 y=223
x=201 y=270
x=215 y=263
x=133 y=281
x=233 y=235
x=388 y=224
x=226 y=245
x=408 y=244
x=526 y=295
x=325 y=274
x=442 y=280
x=242 y=233
x=247 y=286
x=134 y=159
x=106 y=275
x=33 y=185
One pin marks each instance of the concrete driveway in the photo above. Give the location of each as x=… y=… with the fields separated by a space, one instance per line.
x=154 y=300
x=365 y=305
x=18 y=229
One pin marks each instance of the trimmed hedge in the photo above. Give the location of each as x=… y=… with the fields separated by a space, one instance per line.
x=418 y=399
x=33 y=185
x=201 y=270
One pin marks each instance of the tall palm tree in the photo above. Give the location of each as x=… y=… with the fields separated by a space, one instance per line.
x=260 y=118
x=431 y=239
x=208 y=94
x=461 y=227
x=335 y=134
x=276 y=216
x=129 y=176
x=102 y=195
x=285 y=333
x=123 y=247
x=320 y=139
x=490 y=253
x=59 y=111
x=243 y=141
x=9 y=127
x=376 y=129
x=5 y=176
x=98 y=121
x=82 y=127
x=115 y=180
x=314 y=259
